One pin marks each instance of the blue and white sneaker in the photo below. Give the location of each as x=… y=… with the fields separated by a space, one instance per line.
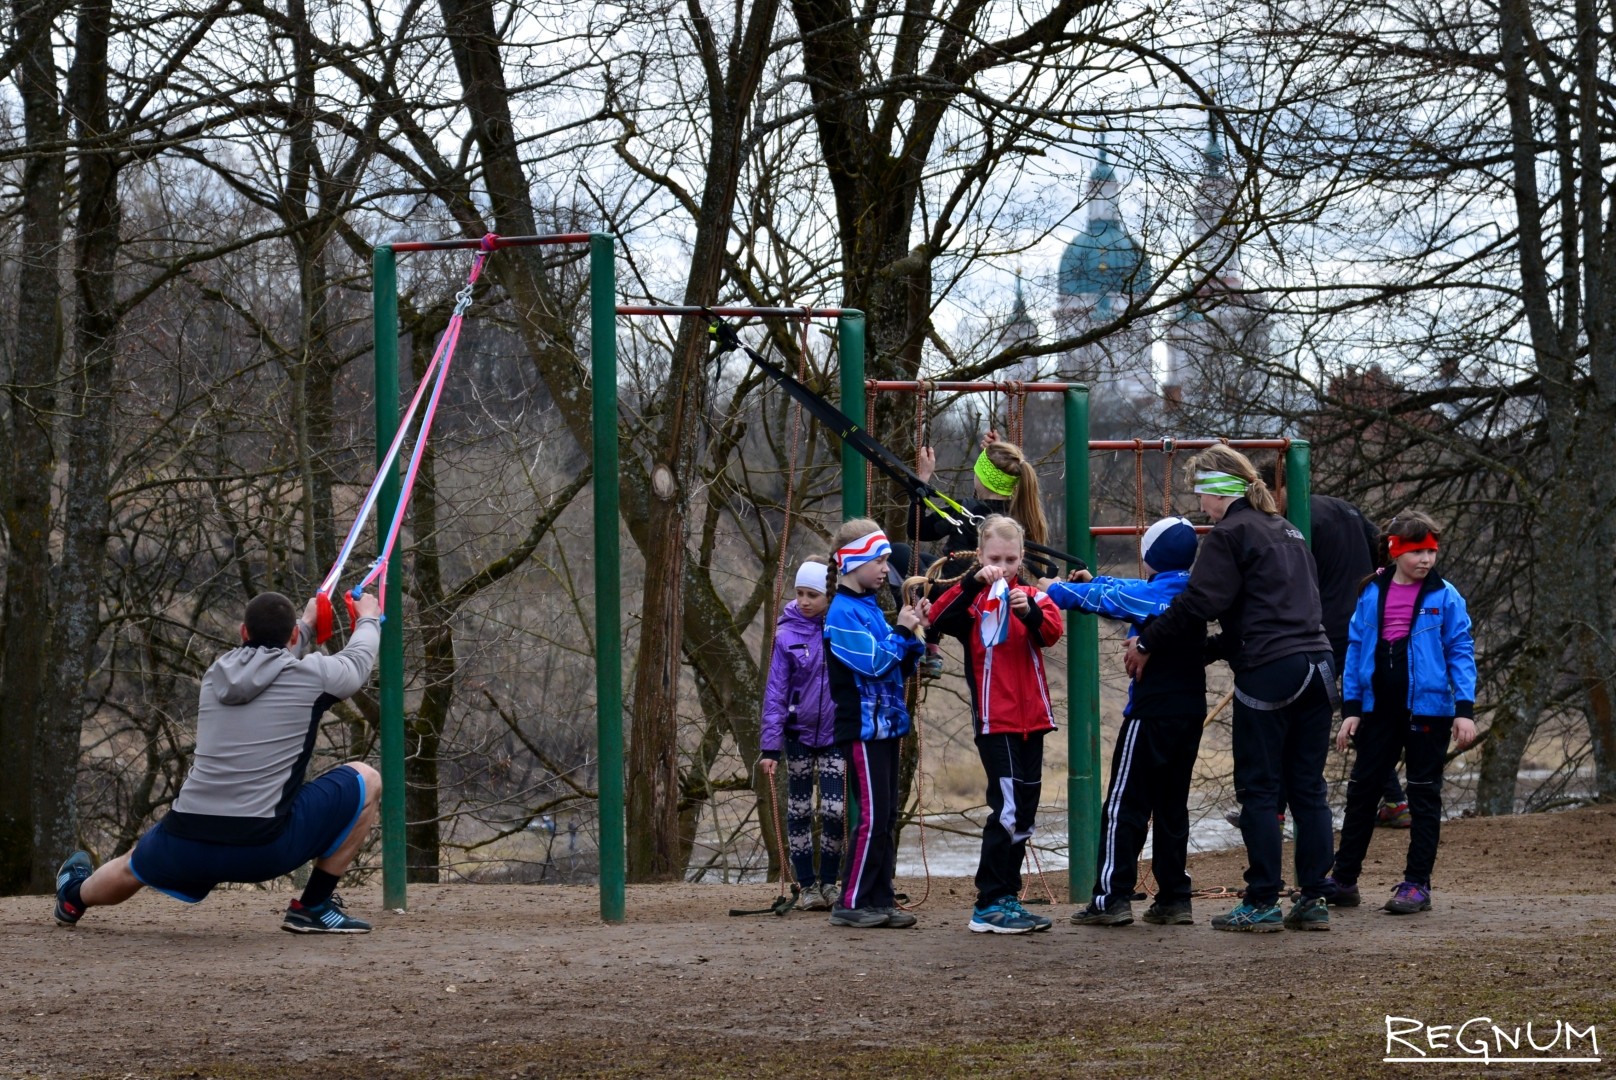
x=1249 y=918
x=1004 y=916
x=78 y=867
x=325 y=918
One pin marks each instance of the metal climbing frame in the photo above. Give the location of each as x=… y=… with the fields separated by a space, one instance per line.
x=603 y=313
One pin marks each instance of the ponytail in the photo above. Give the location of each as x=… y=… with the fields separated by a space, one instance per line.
x=1226 y=459
x=1026 y=502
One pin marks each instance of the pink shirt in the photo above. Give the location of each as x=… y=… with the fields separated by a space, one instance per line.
x=1399 y=610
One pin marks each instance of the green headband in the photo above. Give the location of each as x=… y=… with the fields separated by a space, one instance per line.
x=994 y=478
x=1220 y=483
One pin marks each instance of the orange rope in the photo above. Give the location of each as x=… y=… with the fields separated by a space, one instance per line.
x=1139 y=498
x=779 y=837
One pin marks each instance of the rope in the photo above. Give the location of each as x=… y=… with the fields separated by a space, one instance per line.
x=435 y=376
x=786 y=876
x=791 y=487
x=1139 y=498
x=1039 y=869
x=1170 y=448
x=869 y=466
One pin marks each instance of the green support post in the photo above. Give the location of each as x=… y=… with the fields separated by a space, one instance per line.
x=608 y=591
x=1299 y=487
x=850 y=349
x=390 y=664
x=1082 y=667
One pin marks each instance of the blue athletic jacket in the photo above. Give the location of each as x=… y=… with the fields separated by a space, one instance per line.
x=1174 y=682
x=1441 y=653
x=868 y=662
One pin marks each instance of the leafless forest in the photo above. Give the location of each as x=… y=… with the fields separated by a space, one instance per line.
x=1417 y=205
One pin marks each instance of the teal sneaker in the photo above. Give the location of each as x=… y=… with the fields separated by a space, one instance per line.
x=1004 y=916
x=1250 y=919
x=1039 y=922
x=1311 y=914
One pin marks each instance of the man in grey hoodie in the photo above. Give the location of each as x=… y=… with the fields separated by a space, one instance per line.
x=244 y=813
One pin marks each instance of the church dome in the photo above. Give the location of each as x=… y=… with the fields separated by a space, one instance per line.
x=1104 y=260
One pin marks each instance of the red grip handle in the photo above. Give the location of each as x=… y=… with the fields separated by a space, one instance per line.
x=353 y=609
x=325 y=618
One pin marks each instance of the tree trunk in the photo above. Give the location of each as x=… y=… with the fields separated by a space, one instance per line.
x=33 y=458
x=90 y=448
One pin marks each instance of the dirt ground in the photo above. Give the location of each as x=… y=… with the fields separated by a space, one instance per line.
x=518 y=981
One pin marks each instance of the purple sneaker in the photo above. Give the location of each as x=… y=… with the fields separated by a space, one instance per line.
x=1341 y=893
x=1409 y=898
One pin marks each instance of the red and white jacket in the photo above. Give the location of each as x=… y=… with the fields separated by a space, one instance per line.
x=1009 y=690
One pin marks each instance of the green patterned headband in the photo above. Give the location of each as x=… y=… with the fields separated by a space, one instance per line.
x=1220 y=483
x=994 y=478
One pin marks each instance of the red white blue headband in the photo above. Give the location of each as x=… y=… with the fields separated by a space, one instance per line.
x=865 y=549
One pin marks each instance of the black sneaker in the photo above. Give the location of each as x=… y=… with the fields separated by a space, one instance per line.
x=326 y=918
x=898 y=919
x=1170 y=913
x=1118 y=914
x=78 y=867
x=864 y=918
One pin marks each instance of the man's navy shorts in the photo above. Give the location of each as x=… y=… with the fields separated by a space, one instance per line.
x=324 y=812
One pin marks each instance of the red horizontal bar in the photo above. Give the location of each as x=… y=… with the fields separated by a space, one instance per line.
x=497 y=242
x=1188 y=444
x=1006 y=387
x=669 y=311
x=1131 y=530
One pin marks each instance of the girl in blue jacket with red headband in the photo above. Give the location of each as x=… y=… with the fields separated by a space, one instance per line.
x=1004 y=626
x=1409 y=687
x=869 y=662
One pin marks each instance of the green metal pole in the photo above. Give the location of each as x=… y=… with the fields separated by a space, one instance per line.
x=608 y=590
x=1082 y=667
x=384 y=305
x=850 y=346
x=1299 y=487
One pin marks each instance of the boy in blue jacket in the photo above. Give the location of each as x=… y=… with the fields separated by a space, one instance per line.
x=1409 y=688
x=1161 y=734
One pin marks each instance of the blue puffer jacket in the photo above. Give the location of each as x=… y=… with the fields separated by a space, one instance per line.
x=869 y=661
x=1441 y=653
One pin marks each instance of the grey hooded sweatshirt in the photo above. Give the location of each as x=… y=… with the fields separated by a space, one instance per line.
x=259 y=712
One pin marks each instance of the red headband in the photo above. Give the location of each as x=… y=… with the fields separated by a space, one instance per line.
x=1396 y=545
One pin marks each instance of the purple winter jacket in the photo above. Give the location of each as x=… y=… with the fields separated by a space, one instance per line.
x=797 y=702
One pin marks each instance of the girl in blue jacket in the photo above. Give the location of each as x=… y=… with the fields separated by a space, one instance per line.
x=1409 y=687
x=869 y=661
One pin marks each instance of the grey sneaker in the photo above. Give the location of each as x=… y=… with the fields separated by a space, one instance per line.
x=830 y=893
x=863 y=918
x=811 y=899
x=1118 y=914
x=898 y=919
x=1170 y=913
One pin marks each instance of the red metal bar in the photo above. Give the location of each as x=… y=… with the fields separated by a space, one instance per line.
x=496 y=243
x=1131 y=530
x=668 y=311
x=1188 y=444
x=1006 y=387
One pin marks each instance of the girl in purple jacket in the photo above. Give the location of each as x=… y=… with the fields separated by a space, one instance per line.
x=799 y=719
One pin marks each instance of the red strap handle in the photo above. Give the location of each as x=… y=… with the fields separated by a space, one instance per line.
x=325 y=618
x=353 y=609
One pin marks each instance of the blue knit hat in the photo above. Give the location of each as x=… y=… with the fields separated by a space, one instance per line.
x=1169 y=544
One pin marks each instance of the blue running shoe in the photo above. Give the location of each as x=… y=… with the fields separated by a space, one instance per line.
x=77 y=868
x=1003 y=916
x=1039 y=922
x=325 y=918
x=1251 y=919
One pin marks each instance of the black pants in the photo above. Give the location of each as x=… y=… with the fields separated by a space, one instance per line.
x=1384 y=734
x=1150 y=778
x=1015 y=768
x=1391 y=790
x=1279 y=750
x=872 y=856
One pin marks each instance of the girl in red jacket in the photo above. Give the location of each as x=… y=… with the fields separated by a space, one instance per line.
x=1004 y=626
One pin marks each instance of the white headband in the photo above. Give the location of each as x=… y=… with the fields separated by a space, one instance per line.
x=812 y=575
